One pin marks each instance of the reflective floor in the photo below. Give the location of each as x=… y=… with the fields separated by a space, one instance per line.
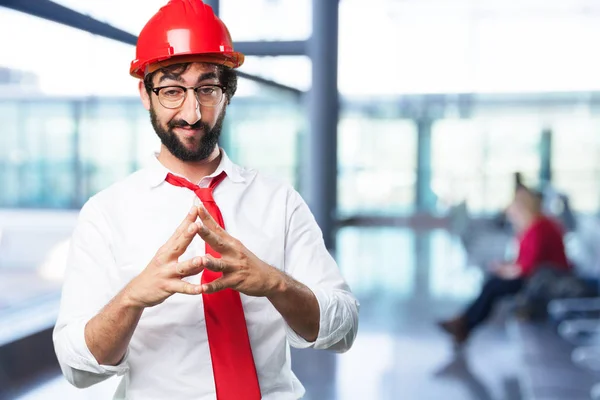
x=404 y=282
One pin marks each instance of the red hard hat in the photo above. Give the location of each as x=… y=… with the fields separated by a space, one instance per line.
x=183 y=31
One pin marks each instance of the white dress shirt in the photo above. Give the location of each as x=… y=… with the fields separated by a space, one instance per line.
x=119 y=231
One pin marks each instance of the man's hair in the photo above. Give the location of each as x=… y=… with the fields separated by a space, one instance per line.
x=227 y=77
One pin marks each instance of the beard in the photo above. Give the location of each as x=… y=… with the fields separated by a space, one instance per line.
x=202 y=148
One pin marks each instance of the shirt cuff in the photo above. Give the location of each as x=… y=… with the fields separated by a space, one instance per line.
x=298 y=341
x=332 y=328
x=81 y=357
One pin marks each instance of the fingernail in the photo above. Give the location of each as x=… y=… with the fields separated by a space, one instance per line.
x=191 y=228
x=204 y=288
x=198 y=289
x=192 y=210
x=196 y=261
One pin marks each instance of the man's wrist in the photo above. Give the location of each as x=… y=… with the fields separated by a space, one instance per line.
x=126 y=300
x=279 y=284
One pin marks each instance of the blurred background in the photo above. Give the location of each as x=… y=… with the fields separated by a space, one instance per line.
x=401 y=122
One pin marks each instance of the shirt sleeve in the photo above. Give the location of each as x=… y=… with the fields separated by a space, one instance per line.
x=85 y=291
x=308 y=261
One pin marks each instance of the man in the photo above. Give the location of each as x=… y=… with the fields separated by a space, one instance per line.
x=540 y=245
x=193 y=276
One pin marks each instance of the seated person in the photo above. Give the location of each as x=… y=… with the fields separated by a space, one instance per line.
x=540 y=244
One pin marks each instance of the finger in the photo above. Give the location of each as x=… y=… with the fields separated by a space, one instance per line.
x=216 y=264
x=208 y=220
x=217 y=242
x=187 y=268
x=165 y=252
x=178 y=245
x=175 y=286
x=191 y=216
x=218 y=284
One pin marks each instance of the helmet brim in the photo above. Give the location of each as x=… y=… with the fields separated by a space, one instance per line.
x=230 y=59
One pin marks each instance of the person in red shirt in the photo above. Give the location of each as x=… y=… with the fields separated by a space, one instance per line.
x=540 y=245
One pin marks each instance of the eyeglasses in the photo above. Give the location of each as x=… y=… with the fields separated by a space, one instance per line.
x=174 y=96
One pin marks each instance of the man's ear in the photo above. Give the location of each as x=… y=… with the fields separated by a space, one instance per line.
x=144 y=95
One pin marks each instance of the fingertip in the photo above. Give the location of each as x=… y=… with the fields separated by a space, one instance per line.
x=192 y=227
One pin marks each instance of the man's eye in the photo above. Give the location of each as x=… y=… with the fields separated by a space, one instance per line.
x=207 y=90
x=172 y=92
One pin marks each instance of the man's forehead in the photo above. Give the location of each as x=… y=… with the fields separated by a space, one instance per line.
x=193 y=72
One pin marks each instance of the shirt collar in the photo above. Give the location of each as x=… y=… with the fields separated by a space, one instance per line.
x=156 y=172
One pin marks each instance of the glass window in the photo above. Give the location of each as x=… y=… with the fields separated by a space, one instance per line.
x=377 y=164
x=12 y=157
x=267 y=19
x=469 y=46
x=394 y=273
x=63 y=61
x=132 y=15
x=264 y=131
x=411 y=48
x=240 y=16
x=38 y=154
x=450 y=276
x=108 y=144
x=576 y=161
x=475 y=160
x=49 y=149
x=287 y=70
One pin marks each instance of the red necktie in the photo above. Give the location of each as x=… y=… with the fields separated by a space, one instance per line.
x=233 y=364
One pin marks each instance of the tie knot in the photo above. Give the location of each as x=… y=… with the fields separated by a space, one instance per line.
x=204 y=194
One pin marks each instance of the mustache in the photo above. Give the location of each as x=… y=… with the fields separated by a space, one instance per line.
x=183 y=124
